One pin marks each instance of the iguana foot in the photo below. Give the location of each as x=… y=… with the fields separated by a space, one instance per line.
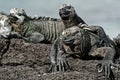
x=60 y=65
x=105 y=66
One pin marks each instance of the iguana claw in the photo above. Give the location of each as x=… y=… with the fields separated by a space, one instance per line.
x=105 y=66
x=61 y=65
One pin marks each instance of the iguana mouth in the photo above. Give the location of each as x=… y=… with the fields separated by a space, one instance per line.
x=65 y=17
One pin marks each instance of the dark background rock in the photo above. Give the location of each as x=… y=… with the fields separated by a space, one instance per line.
x=28 y=61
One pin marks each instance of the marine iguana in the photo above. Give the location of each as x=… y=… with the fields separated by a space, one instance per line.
x=86 y=45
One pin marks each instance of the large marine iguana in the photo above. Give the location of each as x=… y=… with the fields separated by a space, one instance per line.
x=86 y=45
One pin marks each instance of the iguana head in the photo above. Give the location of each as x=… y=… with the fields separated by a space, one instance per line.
x=66 y=12
x=77 y=38
x=69 y=16
x=71 y=35
x=18 y=13
x=5 y=27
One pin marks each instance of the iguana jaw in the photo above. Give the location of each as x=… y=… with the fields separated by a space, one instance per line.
x=70 y=35
x=65 y=17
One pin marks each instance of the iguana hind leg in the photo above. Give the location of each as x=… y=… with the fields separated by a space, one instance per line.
x=35 y=37
x=105 y=65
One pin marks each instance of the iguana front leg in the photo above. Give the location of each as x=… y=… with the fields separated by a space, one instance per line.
x=58 y=57
x=35 y=37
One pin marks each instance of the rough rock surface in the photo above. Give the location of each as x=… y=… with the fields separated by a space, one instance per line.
x=28 y=61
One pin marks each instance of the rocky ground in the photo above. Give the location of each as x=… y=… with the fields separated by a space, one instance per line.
x=28 y=61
